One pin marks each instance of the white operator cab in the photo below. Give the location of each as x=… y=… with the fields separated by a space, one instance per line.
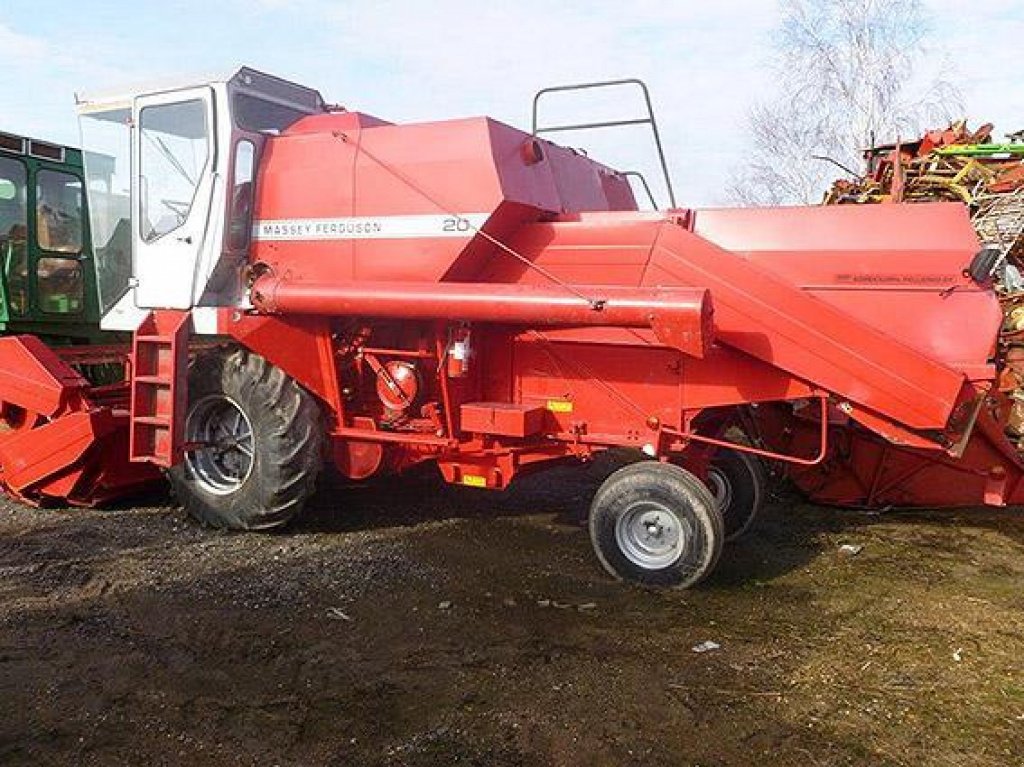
x=171 y=172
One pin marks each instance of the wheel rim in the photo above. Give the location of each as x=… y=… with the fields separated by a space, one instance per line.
x=650 y=535
x=721 y=489
x=220 y=434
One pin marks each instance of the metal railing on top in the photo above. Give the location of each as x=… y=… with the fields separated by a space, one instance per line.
x=649 y=120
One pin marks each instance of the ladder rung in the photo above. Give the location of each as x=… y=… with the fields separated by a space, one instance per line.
x=152 y=420
x=153 y=380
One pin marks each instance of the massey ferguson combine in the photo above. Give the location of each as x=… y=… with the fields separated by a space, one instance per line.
x=304 y=283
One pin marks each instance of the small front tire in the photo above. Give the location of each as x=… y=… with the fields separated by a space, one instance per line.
x=656 y=524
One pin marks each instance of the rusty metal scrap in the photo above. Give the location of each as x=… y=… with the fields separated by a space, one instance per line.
x=951 y=164
x=956 y=164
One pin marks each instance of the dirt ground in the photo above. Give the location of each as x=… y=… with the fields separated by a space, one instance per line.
x=402 y=625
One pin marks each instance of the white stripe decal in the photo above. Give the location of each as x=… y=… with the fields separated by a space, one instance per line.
x=369 y=227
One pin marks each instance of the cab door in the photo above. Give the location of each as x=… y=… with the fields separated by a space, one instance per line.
x=174 y=156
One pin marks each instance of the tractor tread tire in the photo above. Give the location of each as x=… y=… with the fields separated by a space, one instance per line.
x=289 y=438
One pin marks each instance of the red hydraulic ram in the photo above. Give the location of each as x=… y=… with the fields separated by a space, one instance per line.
x=680 y=317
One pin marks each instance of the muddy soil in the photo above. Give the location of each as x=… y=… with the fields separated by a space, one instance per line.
x=400 y=624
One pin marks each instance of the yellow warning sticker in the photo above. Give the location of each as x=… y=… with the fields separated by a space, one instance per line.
x=559 y=406
x=474 y=480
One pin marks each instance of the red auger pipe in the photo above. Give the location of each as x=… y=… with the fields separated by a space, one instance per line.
x=680 y=317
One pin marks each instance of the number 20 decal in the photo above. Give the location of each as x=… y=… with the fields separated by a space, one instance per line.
x=457 y=224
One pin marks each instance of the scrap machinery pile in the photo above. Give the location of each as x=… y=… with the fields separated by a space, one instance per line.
x=953 y=163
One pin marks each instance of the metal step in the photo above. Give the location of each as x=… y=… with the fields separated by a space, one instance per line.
x=158 y=390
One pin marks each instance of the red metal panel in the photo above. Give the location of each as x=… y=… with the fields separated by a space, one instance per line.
x=301 y=346
x=730 y=377
x=899 y=268
x=772 y=319
x=588 y=248
x=79 y=457
x=502 y=418
x=470 y=166
x=619 y=395
x=34 y=457
x=33 y=377
x=864 y=470
x=756 y=312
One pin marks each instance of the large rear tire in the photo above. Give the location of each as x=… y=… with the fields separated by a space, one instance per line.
x=256 y=444
x=656 y=524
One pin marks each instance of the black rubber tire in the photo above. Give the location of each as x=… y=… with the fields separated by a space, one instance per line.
x=288 y=438
x=674 y=489
x=746 y=480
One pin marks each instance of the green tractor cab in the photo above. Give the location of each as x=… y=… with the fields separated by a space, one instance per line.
x=47 y=272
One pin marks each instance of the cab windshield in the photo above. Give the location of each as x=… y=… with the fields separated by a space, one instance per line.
x=106 y=144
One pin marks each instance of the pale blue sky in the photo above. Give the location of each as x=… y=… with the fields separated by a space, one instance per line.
x=403 y=60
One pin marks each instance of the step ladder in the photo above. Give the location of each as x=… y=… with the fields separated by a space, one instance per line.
x=159 y=393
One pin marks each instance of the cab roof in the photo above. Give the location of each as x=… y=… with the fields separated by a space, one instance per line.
x=244 y=79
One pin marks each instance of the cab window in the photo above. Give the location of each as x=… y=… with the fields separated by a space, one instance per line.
x=61 y=285
x=173 y=155
x=258 y=115
x=14 y=232
x=240 y=219
x=59 y=211
x=60 y=282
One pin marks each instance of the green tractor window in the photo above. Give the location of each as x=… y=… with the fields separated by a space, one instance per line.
x=60 y=280
x=14 y=232
x=61 y=285
x=59 y=211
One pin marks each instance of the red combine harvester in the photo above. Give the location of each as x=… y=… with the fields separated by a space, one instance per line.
x=304 y=282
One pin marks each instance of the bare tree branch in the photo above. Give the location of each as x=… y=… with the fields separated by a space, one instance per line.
x=849 y=74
